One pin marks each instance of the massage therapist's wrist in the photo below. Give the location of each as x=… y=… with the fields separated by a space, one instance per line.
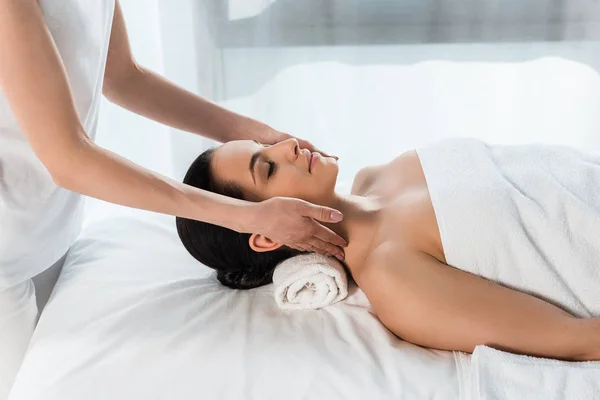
x=237 y=215
x=213 y=208
x=247 y=220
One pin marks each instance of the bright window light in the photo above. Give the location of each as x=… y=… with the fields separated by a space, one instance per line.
x=241 y=9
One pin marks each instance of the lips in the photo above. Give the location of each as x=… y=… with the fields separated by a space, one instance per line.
x=313 y=160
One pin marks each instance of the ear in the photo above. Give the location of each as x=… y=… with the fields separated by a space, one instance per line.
x=261 y=244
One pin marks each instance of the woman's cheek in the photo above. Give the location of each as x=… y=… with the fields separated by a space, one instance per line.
x=281 y=188
x=297 y=191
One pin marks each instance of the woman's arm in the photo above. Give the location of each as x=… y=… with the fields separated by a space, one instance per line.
x=144 y=92
x=33 y=79
x=434 y=305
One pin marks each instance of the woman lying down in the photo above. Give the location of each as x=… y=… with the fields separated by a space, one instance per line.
x=455 y=245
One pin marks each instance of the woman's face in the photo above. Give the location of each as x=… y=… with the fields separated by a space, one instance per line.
x=282 y=169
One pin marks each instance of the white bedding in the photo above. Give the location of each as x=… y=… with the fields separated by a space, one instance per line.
x=134 y=316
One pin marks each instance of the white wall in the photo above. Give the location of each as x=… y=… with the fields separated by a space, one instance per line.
x=369 y=104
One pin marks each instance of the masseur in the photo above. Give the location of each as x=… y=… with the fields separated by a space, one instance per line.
x=56 y=59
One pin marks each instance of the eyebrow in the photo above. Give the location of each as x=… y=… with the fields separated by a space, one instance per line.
x=253 y=160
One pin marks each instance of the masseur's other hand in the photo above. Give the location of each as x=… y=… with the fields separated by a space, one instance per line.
x=293 y=222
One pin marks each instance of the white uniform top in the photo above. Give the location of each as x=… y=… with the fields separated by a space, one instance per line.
x=38 y=220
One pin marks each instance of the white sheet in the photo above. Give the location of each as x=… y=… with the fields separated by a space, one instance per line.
x=135 y=317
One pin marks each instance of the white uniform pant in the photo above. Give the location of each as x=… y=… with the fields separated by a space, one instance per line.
x=20 y=306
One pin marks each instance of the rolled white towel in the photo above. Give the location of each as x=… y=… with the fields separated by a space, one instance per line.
x=309 y=281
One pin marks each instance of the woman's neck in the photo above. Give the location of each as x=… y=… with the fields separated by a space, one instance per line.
x=359 y=226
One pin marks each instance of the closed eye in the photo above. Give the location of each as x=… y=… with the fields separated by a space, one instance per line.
x=271 y=169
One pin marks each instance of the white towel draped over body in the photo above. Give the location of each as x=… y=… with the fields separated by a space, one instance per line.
x=309 y=281
x=499 y=375
x=524 y=216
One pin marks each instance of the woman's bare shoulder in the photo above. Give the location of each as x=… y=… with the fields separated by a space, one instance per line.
x=365 y=178
x=387 y=278
x=405 y=165
x=386 y=255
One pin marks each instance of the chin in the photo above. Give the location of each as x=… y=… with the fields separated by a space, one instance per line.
x=332 y=169
x=328 y=178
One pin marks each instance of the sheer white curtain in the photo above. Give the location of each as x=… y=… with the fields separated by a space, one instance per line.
x=363 y=78
x=172 y=38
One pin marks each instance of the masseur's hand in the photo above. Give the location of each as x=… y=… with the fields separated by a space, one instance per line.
x=293 y=222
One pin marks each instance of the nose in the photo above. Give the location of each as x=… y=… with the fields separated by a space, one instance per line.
x=288 y=148
x=294 y=148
